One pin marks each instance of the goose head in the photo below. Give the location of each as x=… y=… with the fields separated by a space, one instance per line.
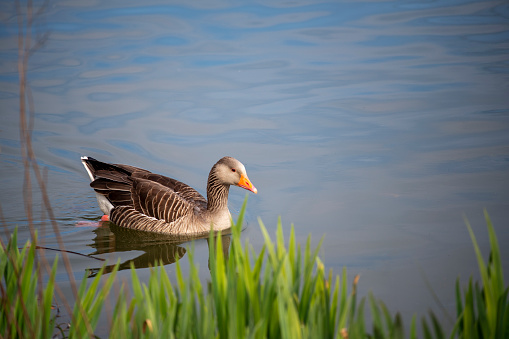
x=230 y=171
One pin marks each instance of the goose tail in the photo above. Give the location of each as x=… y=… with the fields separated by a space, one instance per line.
x=86 y=161
x=91 y=166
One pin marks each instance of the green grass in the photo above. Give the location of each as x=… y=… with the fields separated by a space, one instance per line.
x=483 y=310
x=26 y=310
x=277 y=293
x=283 y=291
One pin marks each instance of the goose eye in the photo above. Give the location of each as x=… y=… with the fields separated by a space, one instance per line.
x=234 y=170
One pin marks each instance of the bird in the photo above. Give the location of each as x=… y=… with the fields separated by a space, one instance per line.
x=136 y=198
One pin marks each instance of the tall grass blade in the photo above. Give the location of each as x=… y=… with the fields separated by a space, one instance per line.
x=280 y=292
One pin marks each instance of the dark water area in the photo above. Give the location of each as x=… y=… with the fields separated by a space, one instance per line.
x=377 y=125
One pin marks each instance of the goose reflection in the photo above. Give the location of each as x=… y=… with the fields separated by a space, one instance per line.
x=156 y=248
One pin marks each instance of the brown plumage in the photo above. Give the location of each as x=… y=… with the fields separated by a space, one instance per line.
x=138 y=199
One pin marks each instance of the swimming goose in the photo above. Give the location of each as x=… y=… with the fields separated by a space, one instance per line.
x=138 y=199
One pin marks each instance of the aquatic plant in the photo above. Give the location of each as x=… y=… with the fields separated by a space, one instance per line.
x=277 y=293
x=483 y=310
x=27 y=305
x=26 y=309
x=280 y=292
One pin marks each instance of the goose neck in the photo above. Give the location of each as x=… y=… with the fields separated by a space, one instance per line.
x=217 y=194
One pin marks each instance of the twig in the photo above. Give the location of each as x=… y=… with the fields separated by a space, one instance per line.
x=29 y=160
x=23 y=137
x=4 y=224
x=72 y=252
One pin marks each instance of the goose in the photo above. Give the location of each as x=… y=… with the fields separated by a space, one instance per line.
x=138 y=199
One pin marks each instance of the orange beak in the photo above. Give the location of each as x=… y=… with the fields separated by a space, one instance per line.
x=245 y=183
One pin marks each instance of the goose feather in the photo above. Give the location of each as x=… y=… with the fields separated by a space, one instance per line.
x=139 y=199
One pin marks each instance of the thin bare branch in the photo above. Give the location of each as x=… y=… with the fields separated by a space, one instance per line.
x=72 y=252
x=29 y=159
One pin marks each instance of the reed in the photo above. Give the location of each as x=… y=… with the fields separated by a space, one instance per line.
x=26 y=312
x=277 y=293
x=483 y=310
x=283 y=291
x=27 y=303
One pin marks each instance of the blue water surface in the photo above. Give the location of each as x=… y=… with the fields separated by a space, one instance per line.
x=375 y=125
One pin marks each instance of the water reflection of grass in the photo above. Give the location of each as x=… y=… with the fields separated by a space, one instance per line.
x=280 y=292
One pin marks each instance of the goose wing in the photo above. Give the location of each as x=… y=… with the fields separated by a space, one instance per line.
x=159 y=201
x=151 y=194
x=184 y=191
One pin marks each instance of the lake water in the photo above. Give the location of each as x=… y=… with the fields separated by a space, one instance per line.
x=376 y=125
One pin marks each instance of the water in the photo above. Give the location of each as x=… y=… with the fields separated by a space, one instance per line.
x=377 y=125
